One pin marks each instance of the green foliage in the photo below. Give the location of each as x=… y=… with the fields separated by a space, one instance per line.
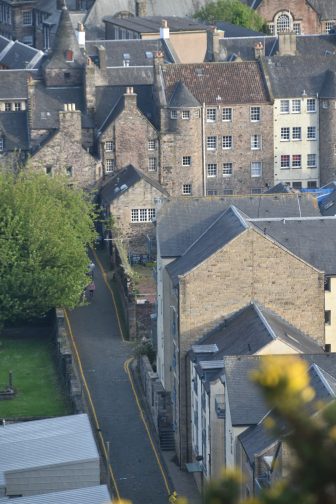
x=45 y=229
x=145 y=347
x=232 y=11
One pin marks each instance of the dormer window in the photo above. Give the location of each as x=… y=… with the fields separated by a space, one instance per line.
x=1 y=144
x=69 y=56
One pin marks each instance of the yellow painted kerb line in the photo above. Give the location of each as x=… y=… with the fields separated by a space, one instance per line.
x=127 y=370
x=91 y=404
x=111 y=292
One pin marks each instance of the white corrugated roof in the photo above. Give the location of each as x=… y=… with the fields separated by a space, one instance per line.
x=89 y=495
x=47 y=442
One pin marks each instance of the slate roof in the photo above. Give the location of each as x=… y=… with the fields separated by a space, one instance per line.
x=41 y=443
x=138 y=52
x=13 y=84
x=89 y=495
x=109 y=103
x=312 y=45
x=127 y=177
x=65 y=39
x=181 y=97
x=232 y=30
x=252 y=328
x=325 y=8
x=49 y=101
x=14 y=130
x=292 y=75
x=279 y=189
x=224 y=228
x=18 y=55
x=129 y=76
x=102 y=8
x=152 y=24
x=311 y=239
x=247 y=405
x=234 y=83
x=181 y=221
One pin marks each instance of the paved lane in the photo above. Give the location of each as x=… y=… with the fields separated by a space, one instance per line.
x=103 y=354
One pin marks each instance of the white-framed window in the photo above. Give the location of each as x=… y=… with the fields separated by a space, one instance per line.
x=211 y=114
x=227 y=114
x=271 y=28
x=284 y=22
x=311 y=161
x=151 y=144
x=227 y=169
x=296 y=106
x=325 y=104
x=227 y=142
x=152 y=164
x=312 y=184
x=17 y=106
x=285 y=134
x=284 y=107
x=255 y=142
x=211 y=192
x=142 y=214
x=109 y=146
x=186 y=189
x=185 y=114
x=255 y=114
x=27 y=18
x=69 y=171
x=296 y=133
x=173 y=114
x=297 y=28
x=109 y=165
x=285 y=161
x=256 y=169
x=311 y=105
x=212 y=170
x=311 y=132
x=211 y=142
x=330 y=25
x=297 y=185
x=8 y=106
x=186 y=160
x=2 y=143
x=296 y=161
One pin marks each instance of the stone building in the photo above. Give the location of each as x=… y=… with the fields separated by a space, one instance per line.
x=300 y=16
x=214 y=122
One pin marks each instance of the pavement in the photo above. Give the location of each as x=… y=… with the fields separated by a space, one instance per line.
x=139 y=471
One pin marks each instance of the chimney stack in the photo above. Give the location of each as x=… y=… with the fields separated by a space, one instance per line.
x=140 y=8
x=259 y=50
x=164 y=30
x=287 y=44
x=102 y=57
x=80 y=34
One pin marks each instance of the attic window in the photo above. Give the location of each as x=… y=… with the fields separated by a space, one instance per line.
x=149 y=55
x=126 y=56
x=1 y=144
x=69 y=55
x=199 y=72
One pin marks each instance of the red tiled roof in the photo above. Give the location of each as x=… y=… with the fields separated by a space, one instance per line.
x=234 y=82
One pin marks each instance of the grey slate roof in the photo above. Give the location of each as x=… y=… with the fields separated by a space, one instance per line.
x=313 y=240
x=224 y=229
x=89 y=495
x=139 y=52
x=18 y=56
x=152 y=24
x=130 y=76
x=65 y=39
x=109 y=103
x=293 y=75
x=50 y=100
x=279 y=188
x=325 y=8
x=247 y=405
x=102 y=8
x=181 y=221
x=14 y=130
x=42 y=443
x=123 y=180
x=253 y=327
x=232 y=30
x=13 y=84
x=182 y=97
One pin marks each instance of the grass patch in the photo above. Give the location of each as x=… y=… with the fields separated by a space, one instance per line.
x=35 y=378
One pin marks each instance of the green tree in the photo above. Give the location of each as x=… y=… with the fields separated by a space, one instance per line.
x=232 y=11
x=45 y=230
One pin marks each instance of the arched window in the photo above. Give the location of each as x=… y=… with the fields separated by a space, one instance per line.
x=283 y=23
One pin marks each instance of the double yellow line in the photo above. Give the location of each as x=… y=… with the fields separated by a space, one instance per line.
x=127 y=364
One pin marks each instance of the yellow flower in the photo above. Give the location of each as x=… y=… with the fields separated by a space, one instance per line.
x=332 y=433
x=289 y=372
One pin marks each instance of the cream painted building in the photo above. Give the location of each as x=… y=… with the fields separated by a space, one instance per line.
x=296 y=141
